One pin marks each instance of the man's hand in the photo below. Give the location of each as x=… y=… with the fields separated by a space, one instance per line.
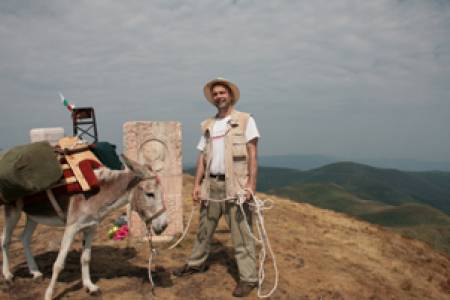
x=196 y=194
x=248 y=193
x=198 y=179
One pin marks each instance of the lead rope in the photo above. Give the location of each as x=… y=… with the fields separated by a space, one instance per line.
x=186 y=230
x=150 y=258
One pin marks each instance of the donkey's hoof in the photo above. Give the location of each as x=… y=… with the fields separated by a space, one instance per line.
x=37 y=277
x=94 y=291
x=9 y=279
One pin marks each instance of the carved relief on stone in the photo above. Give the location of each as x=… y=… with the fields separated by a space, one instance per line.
x=153 y=152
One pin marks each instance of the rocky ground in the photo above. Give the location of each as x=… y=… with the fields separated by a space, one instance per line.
x=320 y=255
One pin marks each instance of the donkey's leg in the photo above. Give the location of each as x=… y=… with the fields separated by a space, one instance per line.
x=58 y=266
x=30 y=226
x=86 y=259
x=11 y=216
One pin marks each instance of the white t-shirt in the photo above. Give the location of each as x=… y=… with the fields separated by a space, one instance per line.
x=218 y=146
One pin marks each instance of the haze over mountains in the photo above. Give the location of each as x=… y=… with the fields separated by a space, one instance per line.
x=312 y=161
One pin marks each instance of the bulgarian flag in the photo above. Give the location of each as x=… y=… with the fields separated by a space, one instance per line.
x=66 y=103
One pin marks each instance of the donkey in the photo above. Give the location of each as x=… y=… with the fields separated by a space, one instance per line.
x=83 y=213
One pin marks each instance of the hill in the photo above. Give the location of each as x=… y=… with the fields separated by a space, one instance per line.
x=389 y=186
x=271 y=178
x=411 y=219
x=320 y=254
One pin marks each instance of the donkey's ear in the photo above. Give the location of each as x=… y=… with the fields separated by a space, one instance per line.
x=130 y=164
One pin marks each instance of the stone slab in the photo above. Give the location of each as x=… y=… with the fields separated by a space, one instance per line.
x=158 y=145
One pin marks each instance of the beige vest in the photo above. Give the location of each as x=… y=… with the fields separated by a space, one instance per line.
x=236 y=157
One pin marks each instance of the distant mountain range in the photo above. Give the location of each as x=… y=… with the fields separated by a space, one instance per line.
x=312 y=161
x=416 y=204
x=389 y=186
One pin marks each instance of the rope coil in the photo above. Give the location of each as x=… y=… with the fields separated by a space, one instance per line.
x=263 y=239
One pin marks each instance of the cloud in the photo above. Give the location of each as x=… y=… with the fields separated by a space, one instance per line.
x=308 y=68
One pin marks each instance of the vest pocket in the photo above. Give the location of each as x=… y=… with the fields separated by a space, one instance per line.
x=239 y=148
x=240 y=167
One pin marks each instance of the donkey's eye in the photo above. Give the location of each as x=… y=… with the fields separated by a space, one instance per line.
x=151 y=195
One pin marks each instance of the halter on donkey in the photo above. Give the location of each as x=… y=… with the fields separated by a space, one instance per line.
x=83 y=213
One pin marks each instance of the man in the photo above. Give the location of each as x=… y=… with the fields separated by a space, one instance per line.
x=226 y=167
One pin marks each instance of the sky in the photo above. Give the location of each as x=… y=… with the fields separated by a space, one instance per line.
x=347 y=78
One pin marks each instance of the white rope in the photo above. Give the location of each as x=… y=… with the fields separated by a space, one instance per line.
x=150 y=258
x=258 y=207
x=185 y=230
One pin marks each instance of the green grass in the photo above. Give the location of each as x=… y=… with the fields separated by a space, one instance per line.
x=329 y=196
x=407 y=215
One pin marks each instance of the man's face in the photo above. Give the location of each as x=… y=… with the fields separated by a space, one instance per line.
x=221 y=96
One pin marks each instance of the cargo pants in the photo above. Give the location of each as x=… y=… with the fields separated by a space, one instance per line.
x=244 y=244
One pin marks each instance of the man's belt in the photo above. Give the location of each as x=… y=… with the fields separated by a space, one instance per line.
x=219 y=177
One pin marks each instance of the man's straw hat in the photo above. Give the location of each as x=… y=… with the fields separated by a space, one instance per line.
x=234 y=89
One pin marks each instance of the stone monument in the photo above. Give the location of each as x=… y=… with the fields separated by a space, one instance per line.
x=158 y=145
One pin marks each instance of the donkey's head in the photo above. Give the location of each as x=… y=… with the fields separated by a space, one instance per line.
x=147 y=198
